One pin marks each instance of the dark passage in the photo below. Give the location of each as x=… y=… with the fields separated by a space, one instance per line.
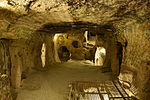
x=63 y=53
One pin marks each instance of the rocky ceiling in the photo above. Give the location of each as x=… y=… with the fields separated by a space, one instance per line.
x=20 y=18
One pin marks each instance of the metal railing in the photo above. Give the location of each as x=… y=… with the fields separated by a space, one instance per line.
x=108 y=90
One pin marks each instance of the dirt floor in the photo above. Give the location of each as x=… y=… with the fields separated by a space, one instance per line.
x=53 y=83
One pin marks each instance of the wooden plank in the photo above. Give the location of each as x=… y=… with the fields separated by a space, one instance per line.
x=118 y=90
x=101 y=96
x=108 y=92
x=122 y=88
x=79 y=87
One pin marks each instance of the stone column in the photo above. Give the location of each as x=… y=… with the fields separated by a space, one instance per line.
x=114 y=58
x=5 y=89
x=49 y=58
x=16 y=65
x=111 y=59
x=107 y=61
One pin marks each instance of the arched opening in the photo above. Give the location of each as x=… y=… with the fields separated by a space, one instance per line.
x=63 y=53
x=100 y=55
x=43 y=51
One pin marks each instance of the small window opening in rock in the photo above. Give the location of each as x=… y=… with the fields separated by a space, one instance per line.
x=100 y=56
x=75 y=44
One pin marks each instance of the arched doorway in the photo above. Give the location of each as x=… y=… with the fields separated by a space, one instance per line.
x=100 y=56
x=43 y=51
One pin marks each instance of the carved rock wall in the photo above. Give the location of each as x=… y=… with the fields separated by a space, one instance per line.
x=66 y=39
x=5 y=89
x=136 y=57
x=29 y=15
